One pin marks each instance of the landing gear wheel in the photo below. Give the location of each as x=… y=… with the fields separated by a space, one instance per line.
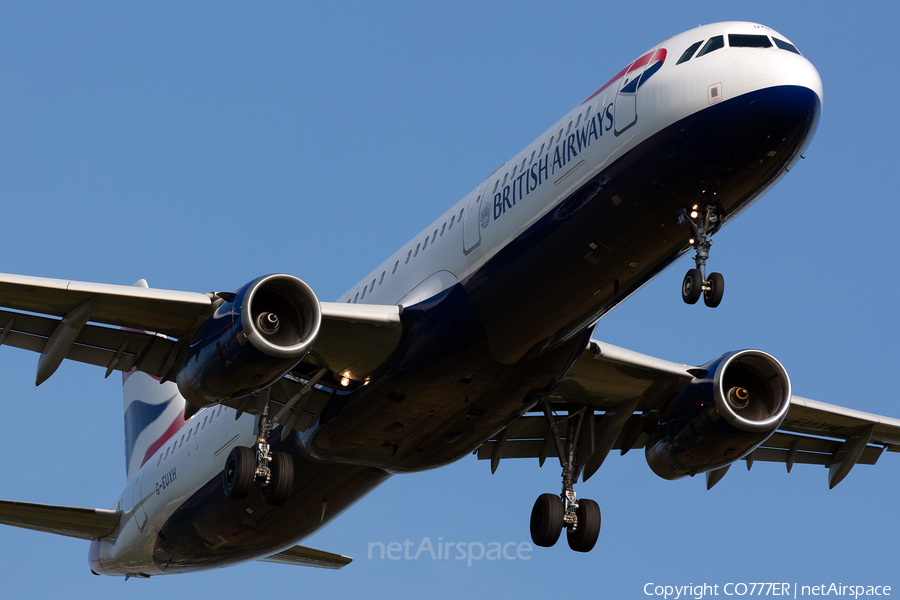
x=692 y=286
x=547 y=520
x=715 y=289
x=584 y=536
x=282 y=479
x=240 y=471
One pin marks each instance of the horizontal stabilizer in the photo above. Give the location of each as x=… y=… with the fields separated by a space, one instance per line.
x=309 y=557
x=72 y=521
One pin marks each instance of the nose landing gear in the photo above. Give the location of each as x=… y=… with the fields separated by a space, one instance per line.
x=695 y=282
x=580 y=518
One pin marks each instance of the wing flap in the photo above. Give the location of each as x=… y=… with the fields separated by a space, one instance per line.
x=71 y=521
x=95 y=345
x=309 y=557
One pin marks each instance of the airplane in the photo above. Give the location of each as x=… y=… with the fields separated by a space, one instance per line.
x=255 y=417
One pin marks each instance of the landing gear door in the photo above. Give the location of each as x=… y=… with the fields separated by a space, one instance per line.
x=625 y=110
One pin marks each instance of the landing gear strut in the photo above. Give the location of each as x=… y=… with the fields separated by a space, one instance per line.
x=275 y=470
x=580 y=518
x=702 y=221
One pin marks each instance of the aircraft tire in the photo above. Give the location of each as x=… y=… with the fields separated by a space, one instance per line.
x=240 y=470
x=585 y=536
x=692 y=286
x=546 y=520
x=713 y=297
x=278 y=491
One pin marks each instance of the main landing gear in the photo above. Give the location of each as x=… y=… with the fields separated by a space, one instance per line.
x=696 y=283
x=551 y=513
x=274 y=469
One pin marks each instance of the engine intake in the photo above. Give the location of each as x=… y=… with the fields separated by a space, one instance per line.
x=722 y=416
x=253 y=338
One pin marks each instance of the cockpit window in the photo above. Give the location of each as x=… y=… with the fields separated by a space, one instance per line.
x=689 y=52
x=743 y=40
x=786 y=45
x=712 y=45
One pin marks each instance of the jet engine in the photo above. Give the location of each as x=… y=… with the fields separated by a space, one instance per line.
x=253 y=338
x=720 y=416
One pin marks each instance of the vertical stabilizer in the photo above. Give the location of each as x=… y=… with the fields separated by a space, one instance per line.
x=153 y=413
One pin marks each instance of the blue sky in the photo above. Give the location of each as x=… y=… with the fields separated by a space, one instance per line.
x=201 y=146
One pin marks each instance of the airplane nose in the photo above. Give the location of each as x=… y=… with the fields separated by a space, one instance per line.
x=794 y=80
x=780 y=68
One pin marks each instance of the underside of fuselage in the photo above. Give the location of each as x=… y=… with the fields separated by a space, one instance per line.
x=481 y=353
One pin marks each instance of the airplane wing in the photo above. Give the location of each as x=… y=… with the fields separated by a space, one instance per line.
x=309 y=557
x=622 y=390
x=107 y=325
x=71 y=521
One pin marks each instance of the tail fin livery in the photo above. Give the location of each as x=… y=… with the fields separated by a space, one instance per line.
x=153 y=413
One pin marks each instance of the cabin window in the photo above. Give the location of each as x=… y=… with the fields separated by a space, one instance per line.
x=363 y=294
x=531 y=160
x=712 y=45
x=159 y=460
x=167 y=453
x=453 y=218
x=515 y=168
x=408 y=256
x=541 y=153
x=190 y=431
x=219 y=412
x=460 y=215
x=356 y=298
x=203 y=424
x=380 y=281
x=443 y=227
x=742 y=40
x=786 y=45
x=559 y=135
x=417 y=250
x=504 y=183
x=425 y=244
x=587 y=113
x=181 y=441
x=578 y=122
x=396 y=264
x=496 y=185
x=372 y=287
x=569 y=128
x=434 y=235
x=689 y=53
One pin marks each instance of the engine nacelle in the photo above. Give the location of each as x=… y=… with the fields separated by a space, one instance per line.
x=252 y=339
x=721 y=417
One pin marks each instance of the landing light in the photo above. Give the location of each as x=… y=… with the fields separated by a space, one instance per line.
x=345 y=382
x=694 y=214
